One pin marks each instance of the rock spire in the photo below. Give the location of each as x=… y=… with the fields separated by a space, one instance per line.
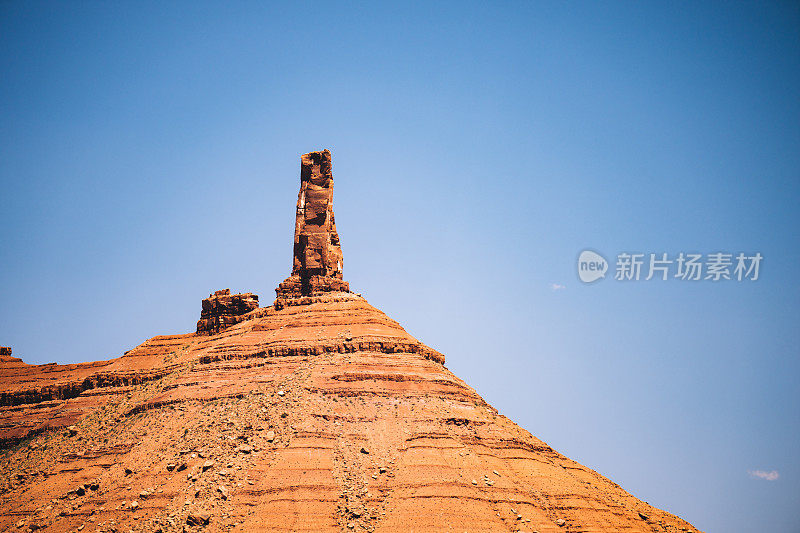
x=317 y=258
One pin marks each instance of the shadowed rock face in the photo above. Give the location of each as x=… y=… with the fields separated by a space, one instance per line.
x=317 y=264
x=321 y=414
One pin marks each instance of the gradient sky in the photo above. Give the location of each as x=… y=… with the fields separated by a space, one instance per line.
x=149 y=154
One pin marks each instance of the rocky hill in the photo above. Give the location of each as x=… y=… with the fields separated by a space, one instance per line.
x=318 y=413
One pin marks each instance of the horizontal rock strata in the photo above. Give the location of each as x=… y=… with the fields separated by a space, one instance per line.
x=325 y=415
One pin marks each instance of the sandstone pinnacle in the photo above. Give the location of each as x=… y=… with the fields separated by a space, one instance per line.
x=317 y=259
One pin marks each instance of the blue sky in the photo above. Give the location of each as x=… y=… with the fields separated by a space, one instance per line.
x=149 y=154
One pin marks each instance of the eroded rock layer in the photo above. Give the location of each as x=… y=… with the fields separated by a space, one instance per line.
x=324 y=415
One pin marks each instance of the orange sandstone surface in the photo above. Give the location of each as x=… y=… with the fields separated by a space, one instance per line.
x=318 y=413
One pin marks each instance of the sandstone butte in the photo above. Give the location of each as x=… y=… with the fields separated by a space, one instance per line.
x=318 y=413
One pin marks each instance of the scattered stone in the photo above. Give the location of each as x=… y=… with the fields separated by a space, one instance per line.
x=382 y=470
x=245 y=448
x=474 y=481
x=80 y=491
x=198 y=518
x=364 y=450
x=72 y=431
x=561 y=522
x=270 y=436
x=284 y=415
x=134 y=505
x=643 y=516
x=208 y=464
x=182 y=467
x=223 y=490
x=496 y=473
x=170 y=467
x=281 y=393
x=128 y=471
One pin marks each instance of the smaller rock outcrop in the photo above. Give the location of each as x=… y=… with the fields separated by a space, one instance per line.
x=5 y=357
x=222 y=310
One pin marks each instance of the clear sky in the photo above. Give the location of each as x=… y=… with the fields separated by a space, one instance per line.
x=149 y=154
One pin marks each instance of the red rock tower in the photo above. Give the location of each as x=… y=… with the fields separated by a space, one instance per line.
x=317 y=263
